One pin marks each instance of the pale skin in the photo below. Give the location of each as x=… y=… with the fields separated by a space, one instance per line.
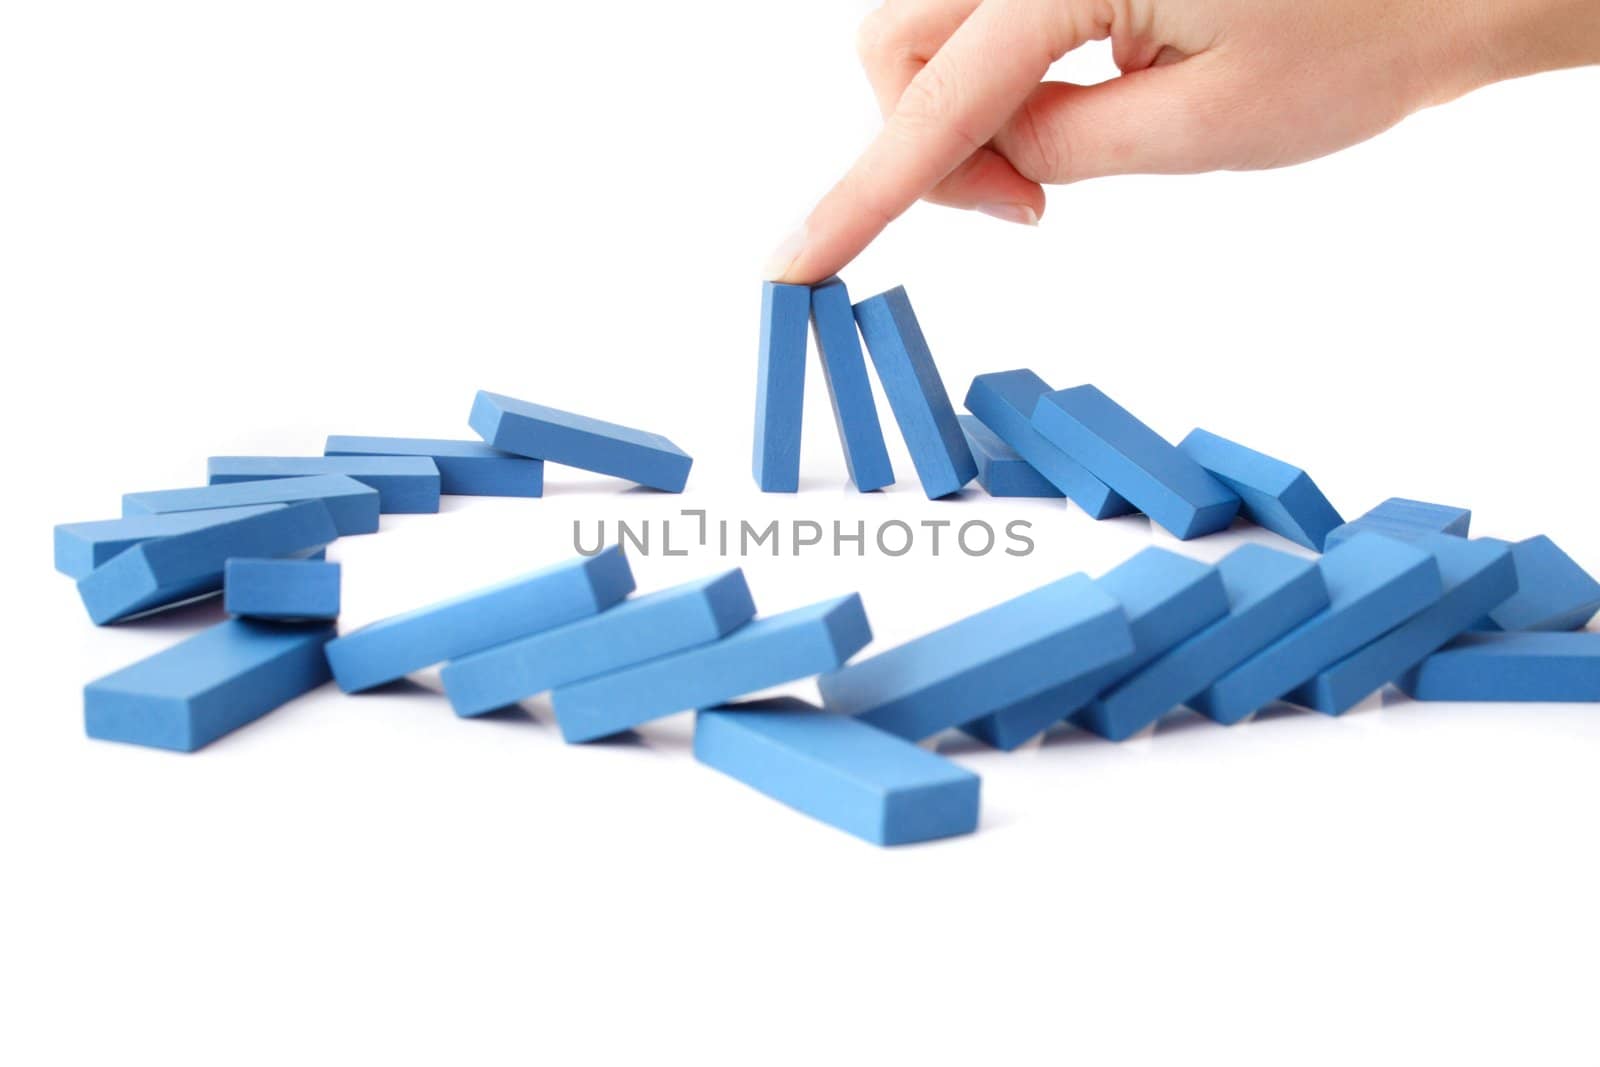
x=970 y=122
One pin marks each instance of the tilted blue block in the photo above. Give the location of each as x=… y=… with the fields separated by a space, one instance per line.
x=1004 y=402
x=466 y=468
x=278 y=590
x=222 y=678
x=555 y=436
x=1274 y=495
x=844 y=369
x=839 y=770
x=916 y=393
x=354 y=506
x=780 y=386
x=1477 y=575
x=633 y=632
x=761 y=654
x=173 y=569
x=1165 y=598
x=1374 y=583
x=405 y=484
x=1553 y=592
x=394 y=647
x=1404 y=520
x=1014 y=650
x=1174 y=490
x=1269 y=594
x=1533 y=667
x=1001 y=471
x=83 y=546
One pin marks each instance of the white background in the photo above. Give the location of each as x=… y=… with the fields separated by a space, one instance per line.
x=233 y=228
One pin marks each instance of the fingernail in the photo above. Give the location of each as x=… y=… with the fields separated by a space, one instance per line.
x=784 y=255
x=1018 y=213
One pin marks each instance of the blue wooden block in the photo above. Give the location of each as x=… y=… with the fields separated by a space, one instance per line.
x=1165 y=598
x=540 y=432
x=279 y=590
x=1477 y=575
x=1269 y=594
x=844 y=369
x=1174 y=490
x=405 y=484
x=173 y=569
x=1534 y=667
x=394 y=647
x=222 y=678
x=1001 y=471
x=1004 y=402
x=466 y=468
x=354 y=506
x=761 y=654
x=1553 y=592
x=1017 y=649
x=1405 y=520
x=780 y=386
x=1274 y=495
x=83 y=546
x=1375 y=583
x=839 y=770
x=631 y=633
x=916 y=393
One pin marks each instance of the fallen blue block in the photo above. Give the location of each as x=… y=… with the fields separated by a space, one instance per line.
x=916 y=393
x=394 y=647
x=1010 y=652
x=540 y=432
x=466 y=468
x=1553 y=592
x=844 y=369
x=1477 y=575
x=1174 y=490
x=405 y=484
x=83 y=546
x=839 y=770
x=222 y=678
x=1405 y=520
x=1538 y=667
x=780 y=386
x=1274 y=495
x=1001 y=471
x=1374 y=583
x=633 y=632
x=281 y=590
x=761 y=654
x=170 y=570
x=354 y=506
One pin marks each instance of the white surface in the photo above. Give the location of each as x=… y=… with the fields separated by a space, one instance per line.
x=233 y=228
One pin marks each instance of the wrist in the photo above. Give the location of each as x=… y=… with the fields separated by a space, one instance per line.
x=1492 y=40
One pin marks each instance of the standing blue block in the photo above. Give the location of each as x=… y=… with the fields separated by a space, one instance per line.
x=1275 y=496
x=1538 y=667
x=1553 y=592
x=280 y=590
x=1477 y=575
x=631 y=633
x=394 y=647
x=1165 y=598
x=844 y=369
x=1374 y=584
x=780 y=386
x=761 y=654
x=1001 y=471
x=1004 y=402
x=222 y=678
x=839 y=770
x=405 y=484
x=1015 y=650
x=1174 y=490
x=916 y=393
x=173 y=569
x=83 y=546
x=466 y=468
x=539 y=432
x=354 y=506
x=1405 y=520
x=1269 y=594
